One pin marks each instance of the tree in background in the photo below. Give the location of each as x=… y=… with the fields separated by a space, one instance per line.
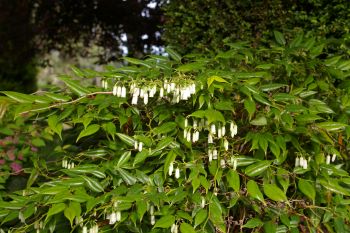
x=31 y=28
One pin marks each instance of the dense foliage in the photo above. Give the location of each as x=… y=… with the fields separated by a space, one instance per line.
x=249 y=140
x=202 y=26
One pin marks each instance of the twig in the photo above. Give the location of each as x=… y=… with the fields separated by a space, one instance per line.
x=65 y=103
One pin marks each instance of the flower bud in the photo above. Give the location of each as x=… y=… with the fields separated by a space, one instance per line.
x=226 y=144
x=328 y=160
x=134 y=99
x=119 y=91
x=188 y=137
x=186 y=122
x=114 y=90
x=161 y=92
x=210 y=139
x=123 y=92
x=85 y=230
x=153 y=220
x=112 y=218
x=203 y=202
x=223 y=130
x=213 y=129
x=177 y=173
x=297 y=162
x=334 y=157
x=171 y=168
x=305 y=164
x=195 y=124
x=140 y=146
x=222 y=163
x=215 y=154
x=145 y=98
x=219 y=133
x=234 y=164
x=136 y=145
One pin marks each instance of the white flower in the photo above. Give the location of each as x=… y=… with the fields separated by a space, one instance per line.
x=114 y=90
x=213 y=129
x=85 y=230
x=172 y=86
x=21 y=217
x=112 y=218
x=151 y=210
x=123 y=94
x=171 y=168
x=297 y=162
x=223 y=130
x=210 y=139
x=64 y=163
x=301 y=162
x=142 y=93
x=173 y=228
x=233 y=129
x=305 y=164
x=119 y=91
x=234 y=166
x=140 y=146
x=177 y=173
x=219 y=133
x=145 y=98
x=328 y=160
x=134 y=99
x=188 y=137
x=226 y=144
x=215 y=154
x=334 y=157
x=68 y=166
x=222 y=163
x=136 y=145
x=153 y=220
x=186 y=122
x=185 y=133
x=203 y=202
x=161 y=92
x=210 y=155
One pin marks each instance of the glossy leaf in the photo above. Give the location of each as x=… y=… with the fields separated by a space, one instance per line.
x=257 y=168
x=254 y=191
x=307 y=188
x=274 y=193
x=165 y=222
x=91 y=129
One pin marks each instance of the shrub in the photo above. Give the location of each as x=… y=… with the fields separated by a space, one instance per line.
x=250 y=140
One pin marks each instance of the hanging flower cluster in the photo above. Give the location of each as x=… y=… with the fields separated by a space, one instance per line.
x=329 y=159
x=301 y=162
x=167 y=90
x=67 y=165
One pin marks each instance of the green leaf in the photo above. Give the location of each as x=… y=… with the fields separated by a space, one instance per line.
x=215 y=78
x=126 y=139
x=307 y=188
x=257 y=168
x=333 y=186
x=233 y=180
x=19 y=97
x=127 y=177
x=274 y=193
x=259 y=121
x=140 y=157
x=174 y=55
x=137 y=62
x=75 y=86
x=250 y=106
x=72 y=211
x=124 y=158
x=91 y=129
x=165 y=128
x=165 y=222
x=331 y=126
x=190 y=67
x=54 y=125
x=186 y=228
x=57 y=97
x=253 y=223
x=254 y=191
x=93 y=184
x=213 y=115
x=110 y=128
x=55 y=209
x=200 y=217
x=272 y=86
x=279 y=37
